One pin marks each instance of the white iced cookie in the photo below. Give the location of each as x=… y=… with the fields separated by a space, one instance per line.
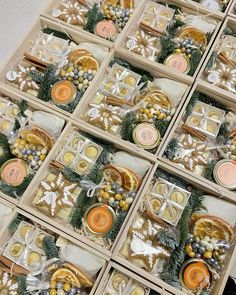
x=137 y=165
x=173 y=89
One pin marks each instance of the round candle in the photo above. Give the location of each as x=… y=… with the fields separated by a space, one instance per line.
x=105 y=29
x=14 y=171
x=100 y=219
x=225 y=173
x=63 y=92
x=146 y=136
x=196 y=274
x=178 y=62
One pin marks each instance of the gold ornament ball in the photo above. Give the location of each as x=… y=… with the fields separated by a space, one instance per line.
x=66 y=287
x=118 y=197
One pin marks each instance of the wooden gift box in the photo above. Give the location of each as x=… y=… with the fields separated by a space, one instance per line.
x=25 y=46
x=201 y=87
x=225 y=94
x=56 y=3
x=15 y=96
x=158 y=66
x=129 y=273
x=133 y=60
x=198 y=7
x=229 y=262
x=6 y=235
x=26 y=201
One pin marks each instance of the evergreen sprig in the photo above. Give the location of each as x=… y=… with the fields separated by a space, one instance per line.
x=175 y=26
x=16 y=124
x=172 y=148
x=94 y=16
x=177 y=257
x=194 y=61
x=49 y=247
x=228 y=31
x=70 y=107
x=23 y=106
x=162 y=126
x=15 y=191
x=45 y=81
x=22 y=285
x=167 y=47
x=16 y=222
x=120 y=217
x=192 y=102
x=223 y=134
x=128 y=123
x=58 y=34
x=71 y=175
x=208 y=172
x=5 y=153
x=83 y=203
x=211 y=61
x=167 y=238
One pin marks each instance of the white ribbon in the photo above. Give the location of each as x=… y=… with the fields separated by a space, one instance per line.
x=92 y=187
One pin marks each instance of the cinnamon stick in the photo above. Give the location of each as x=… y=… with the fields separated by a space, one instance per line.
x=194 y=132
x=150 y=30
x=155 y=218
x=37 y=62
x=118 y=102
x=226 y=60
x=14 y=268
x=56 y=164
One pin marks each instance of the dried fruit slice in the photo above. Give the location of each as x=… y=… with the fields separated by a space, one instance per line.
x=84 y=279
x=65 y=275
x=194 y=34
x=35 y=139
x=63 y=92
x=44 y=136
x=112 y=174
x=88 y=62
x=74 y=55
x=214 y=227
x=158 y=97
x=131 y=181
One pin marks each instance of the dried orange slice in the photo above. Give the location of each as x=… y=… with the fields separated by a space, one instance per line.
x=66 y=276
x=214 y=227
x=35 y=139
x=74 y=55
x=131 y=181
x=44 y=136
x=112 y=174
x=87 y=62
x=194 y=34
x=196 y=275
x=84 y=279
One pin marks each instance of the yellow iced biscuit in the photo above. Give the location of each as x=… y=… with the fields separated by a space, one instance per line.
x=91 y=152
x=16 y=249
x=34 y=258
x=24 y=231
x=68 y=158
x=177 y=197
x=82 y=166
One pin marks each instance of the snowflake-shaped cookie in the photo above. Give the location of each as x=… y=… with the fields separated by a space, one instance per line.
x=223 y=76
x=192 y=152
x=104 y=116
x=72 y=13
x=57 y=195
x=144 y=245
x=142 y=44
x=23 y=80
x=8 y=284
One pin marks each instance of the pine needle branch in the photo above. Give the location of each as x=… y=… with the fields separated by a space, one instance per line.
x=94 y=16
x=167 y=47
x=128 y=123
x=172 y=148
x=58 y=34
x=194 y=61
x=15 y=191
x=49 y=247
x=117 y=225
x=162 y=126
x=16 y=222
x=22 y=285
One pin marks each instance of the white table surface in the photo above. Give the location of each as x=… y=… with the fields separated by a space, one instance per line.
x=16 y=17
